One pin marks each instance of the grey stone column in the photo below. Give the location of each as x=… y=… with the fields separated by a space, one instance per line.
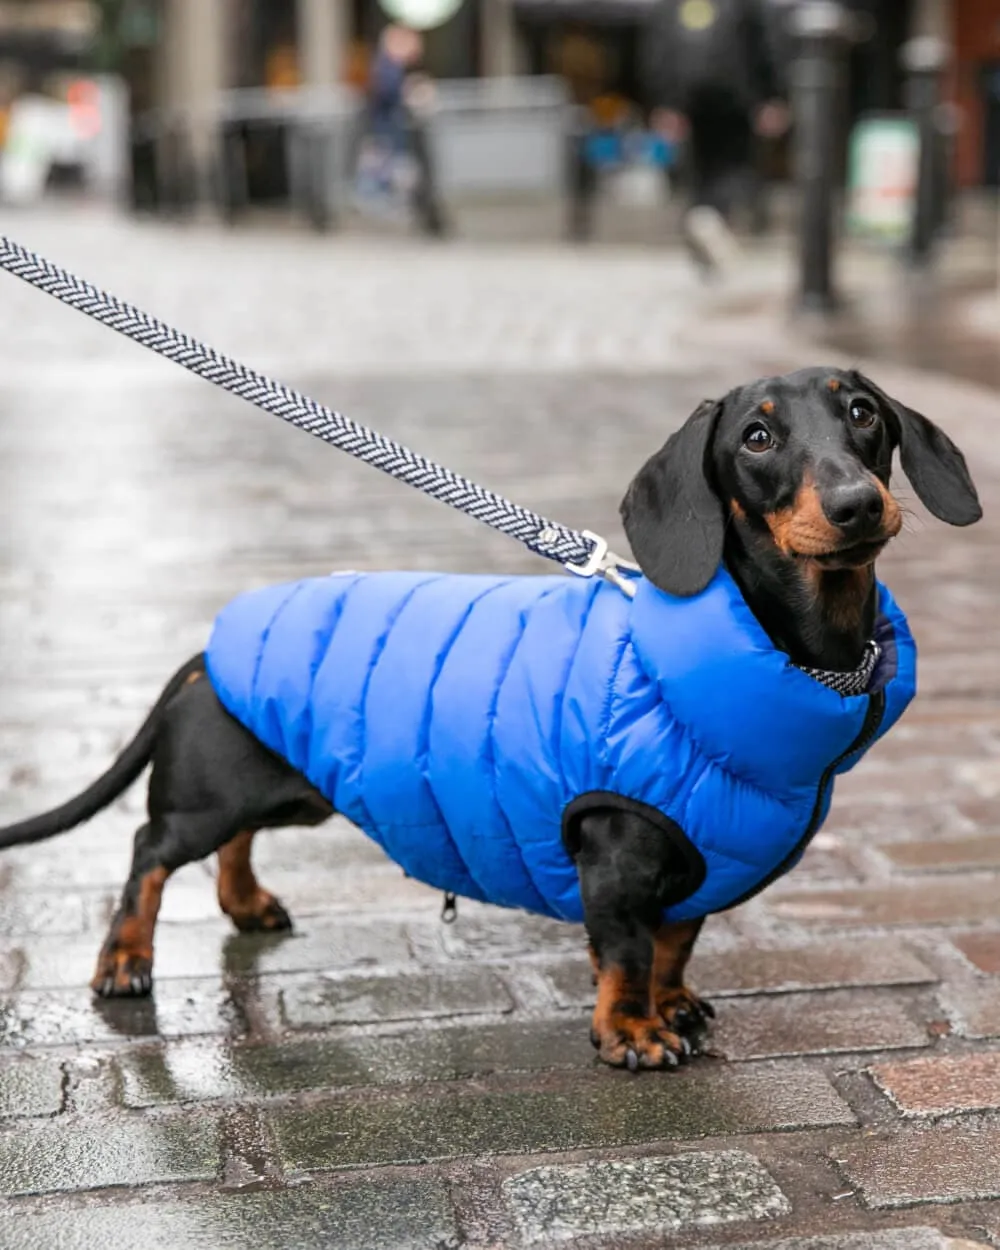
x=322 y=41
x=195 y=69
x=931 y=17
x=499 y=51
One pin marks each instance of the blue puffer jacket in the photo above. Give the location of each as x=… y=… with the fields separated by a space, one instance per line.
x=458 y=720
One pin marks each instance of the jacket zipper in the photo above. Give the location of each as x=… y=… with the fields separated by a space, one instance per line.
x=869 y=728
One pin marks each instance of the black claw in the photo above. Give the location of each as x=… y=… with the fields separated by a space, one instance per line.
x=708 y=1009
x=632 y=1061
x=595 y=1039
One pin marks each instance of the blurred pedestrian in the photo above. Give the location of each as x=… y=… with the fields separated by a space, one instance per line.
x=712 y=76
x=395 y=136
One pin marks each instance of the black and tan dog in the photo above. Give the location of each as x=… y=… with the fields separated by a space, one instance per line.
x=786 y=481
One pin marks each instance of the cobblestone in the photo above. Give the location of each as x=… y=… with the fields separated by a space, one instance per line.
x=181 y=1008
x=604 y=1111
x=761 y=971
x=397 y=1215
x=555 y=1204
x=887 y=1239
x=949 y=855
x=948 y=900
x=981 y=949
x=959 y=1163
x=365 y=1000
x=31 y=1086
x=195 y=1071
x=974 y=1009
x=821 y=1024
x=943 y=1084
x=50 y=1159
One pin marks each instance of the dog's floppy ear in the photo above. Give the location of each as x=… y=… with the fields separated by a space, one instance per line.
x=672 y=515
x=934 y=465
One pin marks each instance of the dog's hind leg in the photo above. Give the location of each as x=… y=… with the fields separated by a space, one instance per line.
x=251 y=908
x=125 y=964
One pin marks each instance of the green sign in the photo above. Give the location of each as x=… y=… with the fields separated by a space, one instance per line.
x=882 y=177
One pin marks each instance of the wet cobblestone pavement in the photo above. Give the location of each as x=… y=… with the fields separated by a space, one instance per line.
x=378 y=1079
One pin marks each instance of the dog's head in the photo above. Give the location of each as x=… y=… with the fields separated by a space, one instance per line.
x=800 y=463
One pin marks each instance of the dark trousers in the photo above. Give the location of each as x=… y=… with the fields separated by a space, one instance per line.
x=412 y=137
x=721 y=165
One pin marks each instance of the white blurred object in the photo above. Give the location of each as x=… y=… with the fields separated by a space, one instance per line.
x=707 y=229
x=639 y=186
x=421 y=14
x=88 y=129
x=39 y=135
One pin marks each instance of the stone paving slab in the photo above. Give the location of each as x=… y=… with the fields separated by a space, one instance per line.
x=817 y=1024
x=210 y=949
x=973 y=1008
x=96 y=1155
x=398 y=1214
x=616 y=1200
x=947 y=1163
x=60 y=1017
x=943 y=1084
x=198 y=1071
x=607 y=1110
x=754 y=971
x=947 y=900
x=30 y=1086
x=981 y=949
x=917 y=1238
x=314 y=1003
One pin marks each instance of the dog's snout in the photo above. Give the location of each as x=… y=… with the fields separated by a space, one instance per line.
x=856 y=508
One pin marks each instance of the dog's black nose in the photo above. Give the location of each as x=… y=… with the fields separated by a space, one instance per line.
x=855 y=508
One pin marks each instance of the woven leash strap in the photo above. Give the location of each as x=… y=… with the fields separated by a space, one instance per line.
x=582 y=552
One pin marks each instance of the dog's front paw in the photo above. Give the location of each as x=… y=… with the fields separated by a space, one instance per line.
x=634 y=1042
x=685 y=1014
x=122 y=974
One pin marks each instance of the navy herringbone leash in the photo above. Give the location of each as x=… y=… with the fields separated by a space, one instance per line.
x=580 y=551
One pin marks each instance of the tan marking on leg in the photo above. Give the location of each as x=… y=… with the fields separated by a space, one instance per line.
x=626 y=1030
x=677 y=1005
x=125 y=963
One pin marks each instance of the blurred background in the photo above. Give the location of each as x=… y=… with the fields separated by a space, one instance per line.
x=594 y=119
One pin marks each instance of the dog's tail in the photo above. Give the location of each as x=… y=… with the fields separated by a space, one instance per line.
x=110 y=785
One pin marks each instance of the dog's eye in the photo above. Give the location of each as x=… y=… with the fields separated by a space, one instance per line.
x=862 y=413
x=758 y=437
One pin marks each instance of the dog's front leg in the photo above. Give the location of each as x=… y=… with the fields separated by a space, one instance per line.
x=623 y=880
x=678 y=1006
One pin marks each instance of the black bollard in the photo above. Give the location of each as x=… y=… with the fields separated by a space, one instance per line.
x=822 y=32
x=924 y=59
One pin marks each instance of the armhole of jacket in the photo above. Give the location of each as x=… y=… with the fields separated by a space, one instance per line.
x=692 y=870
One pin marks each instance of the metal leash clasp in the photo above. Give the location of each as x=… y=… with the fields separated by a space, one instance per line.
x=604 y=563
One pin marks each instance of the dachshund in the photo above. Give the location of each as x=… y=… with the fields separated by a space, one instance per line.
x=784 y=485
